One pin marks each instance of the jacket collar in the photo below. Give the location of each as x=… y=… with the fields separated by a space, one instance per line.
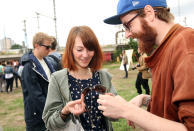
x=152 y=60
x=38 y=68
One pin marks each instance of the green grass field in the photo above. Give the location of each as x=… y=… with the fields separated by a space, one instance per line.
x=12 y=110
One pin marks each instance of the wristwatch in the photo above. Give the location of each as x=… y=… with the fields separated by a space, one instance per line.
x=63 y=116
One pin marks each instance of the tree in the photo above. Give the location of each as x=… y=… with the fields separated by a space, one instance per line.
x=133 y=45
x=16 y=46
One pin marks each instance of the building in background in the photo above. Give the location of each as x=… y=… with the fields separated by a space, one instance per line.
x=6 y=43
x=120 y=38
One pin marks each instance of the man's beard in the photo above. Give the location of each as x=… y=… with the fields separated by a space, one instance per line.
x=146 y=38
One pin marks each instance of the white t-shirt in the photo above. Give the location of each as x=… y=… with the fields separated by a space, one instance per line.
x=45 y=68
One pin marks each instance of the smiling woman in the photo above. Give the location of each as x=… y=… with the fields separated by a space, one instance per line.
x=73 y=91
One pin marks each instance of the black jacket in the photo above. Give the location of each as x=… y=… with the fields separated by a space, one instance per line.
x=34 y=85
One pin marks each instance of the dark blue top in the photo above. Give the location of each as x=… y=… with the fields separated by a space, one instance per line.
x=34 y=87
x=92 y=119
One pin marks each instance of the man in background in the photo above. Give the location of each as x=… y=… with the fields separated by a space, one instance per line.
x=54 y=57
x=9 y=76
x=143 y=74
x=35 y=79
x=16 y=76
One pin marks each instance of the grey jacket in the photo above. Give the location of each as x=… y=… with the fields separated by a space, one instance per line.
x=59 y=94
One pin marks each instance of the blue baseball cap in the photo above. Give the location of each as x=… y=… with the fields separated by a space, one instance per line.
x=125 y=6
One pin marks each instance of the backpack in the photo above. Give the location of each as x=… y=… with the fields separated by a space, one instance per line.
x=58 y=61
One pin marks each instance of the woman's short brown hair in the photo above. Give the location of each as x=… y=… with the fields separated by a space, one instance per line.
x=90 y=41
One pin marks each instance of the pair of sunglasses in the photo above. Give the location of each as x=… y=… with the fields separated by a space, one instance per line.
x=46 y=46
x=98 y=88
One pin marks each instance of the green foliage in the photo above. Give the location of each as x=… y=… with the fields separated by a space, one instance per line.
x=14 y=129
x=133 y=45
x=110 y=66
x=1 y=102
x=121 y=125
x=119 y=51
x=17 y=103
x=16 y=46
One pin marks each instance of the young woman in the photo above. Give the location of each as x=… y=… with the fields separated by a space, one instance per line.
x=67 y=108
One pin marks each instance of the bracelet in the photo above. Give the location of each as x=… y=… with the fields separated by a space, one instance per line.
x=146 y=101
x=63 y=116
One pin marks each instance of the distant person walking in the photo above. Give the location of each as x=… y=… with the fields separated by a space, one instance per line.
x=9 y=77
x=125 y=62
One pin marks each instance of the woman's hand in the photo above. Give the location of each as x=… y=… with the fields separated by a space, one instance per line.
x=76 y=107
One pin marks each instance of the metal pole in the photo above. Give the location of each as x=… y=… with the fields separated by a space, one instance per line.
x=185 y=21
x=38 y=20
x=55 y=20
x=25 y=35
x=5 y=40
x=179 y=11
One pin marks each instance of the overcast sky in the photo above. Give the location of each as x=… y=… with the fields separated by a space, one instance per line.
x=70 y=13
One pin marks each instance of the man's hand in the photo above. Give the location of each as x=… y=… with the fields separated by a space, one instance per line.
x=140 y=100
x=112 y=106
x=137 y=100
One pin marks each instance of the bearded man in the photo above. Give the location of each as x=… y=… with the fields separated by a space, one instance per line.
x=171 y=104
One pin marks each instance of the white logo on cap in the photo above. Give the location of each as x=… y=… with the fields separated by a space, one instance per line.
x=135 y=3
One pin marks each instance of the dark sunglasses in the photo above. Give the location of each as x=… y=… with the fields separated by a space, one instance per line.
x=46 y=46
x=127 y=25
x=98 y=88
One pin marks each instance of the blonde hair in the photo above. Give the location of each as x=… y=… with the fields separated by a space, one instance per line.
x=40 y=37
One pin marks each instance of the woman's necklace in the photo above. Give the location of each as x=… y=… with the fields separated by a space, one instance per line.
x=82 y=75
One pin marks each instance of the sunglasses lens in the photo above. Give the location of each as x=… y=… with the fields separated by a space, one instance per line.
x=48 y=47
x=100 y=88
x=85 y=91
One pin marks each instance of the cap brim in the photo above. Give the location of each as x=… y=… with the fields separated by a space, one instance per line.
x=114 y=20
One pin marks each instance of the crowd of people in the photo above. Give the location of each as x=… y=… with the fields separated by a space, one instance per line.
x=73 y=93
x=9 y=74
